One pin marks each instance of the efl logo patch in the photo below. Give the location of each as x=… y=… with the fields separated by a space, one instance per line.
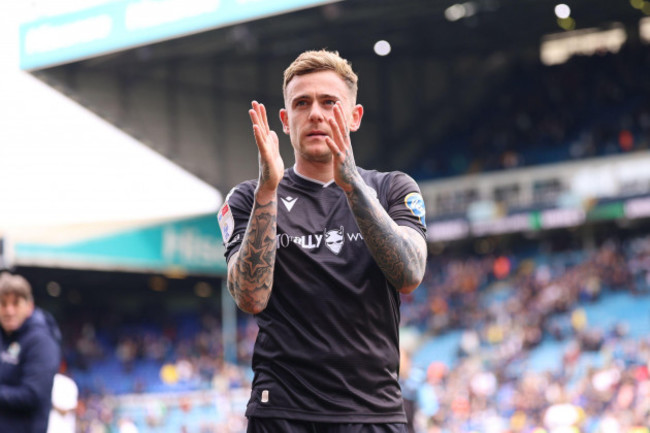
x=226 y=222
x=415 y=203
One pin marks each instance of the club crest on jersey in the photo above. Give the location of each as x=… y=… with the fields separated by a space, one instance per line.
x=334 y=240
x=12 y=354
x=415 y=203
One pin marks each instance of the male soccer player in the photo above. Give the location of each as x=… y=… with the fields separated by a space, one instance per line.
x=319 y=253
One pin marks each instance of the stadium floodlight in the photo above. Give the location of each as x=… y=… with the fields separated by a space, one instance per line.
x=470 y=9
x=560 y=47
x=644 y=29
x=458 y=11
x=562 y=11
x=382 y=48
x=455 y=12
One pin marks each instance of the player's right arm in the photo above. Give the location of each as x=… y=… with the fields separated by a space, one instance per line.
x=250 y=269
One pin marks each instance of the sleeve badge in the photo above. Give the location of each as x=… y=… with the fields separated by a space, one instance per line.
x=226 y=222
x=415 y=203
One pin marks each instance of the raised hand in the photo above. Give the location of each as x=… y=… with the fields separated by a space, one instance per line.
x=344 y=168
x=270 y=161
x=250 y=270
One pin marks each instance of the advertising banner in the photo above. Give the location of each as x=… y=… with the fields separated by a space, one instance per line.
x=187 y=246
x=71 y=34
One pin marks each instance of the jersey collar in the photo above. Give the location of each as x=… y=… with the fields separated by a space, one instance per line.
x=313 y=181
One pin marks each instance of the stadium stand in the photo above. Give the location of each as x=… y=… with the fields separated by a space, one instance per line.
x=512 y=333
x=531 y=335
x=564 y=332
x=502 y=341
x=589 y=106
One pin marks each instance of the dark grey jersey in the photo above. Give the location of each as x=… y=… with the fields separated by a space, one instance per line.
x=328 y=346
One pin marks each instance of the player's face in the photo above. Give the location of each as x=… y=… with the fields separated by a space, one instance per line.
x=309 y=103
x=14 y=310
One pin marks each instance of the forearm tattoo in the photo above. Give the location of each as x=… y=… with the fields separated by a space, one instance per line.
x=348 y=169
x=251 y=280
x=265 y=173
x=396 y=251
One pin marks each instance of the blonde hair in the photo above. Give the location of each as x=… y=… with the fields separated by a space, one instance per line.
x=322 y=60
x=15 y=284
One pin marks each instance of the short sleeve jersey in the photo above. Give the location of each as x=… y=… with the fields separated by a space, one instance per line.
x=328 y=342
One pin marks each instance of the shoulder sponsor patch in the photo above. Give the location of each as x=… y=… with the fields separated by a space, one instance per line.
x=226 y=222
x=415 y=203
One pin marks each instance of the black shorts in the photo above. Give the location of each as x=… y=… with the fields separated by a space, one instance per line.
x=276 y=425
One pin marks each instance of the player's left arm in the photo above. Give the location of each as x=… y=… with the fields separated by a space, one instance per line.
x=400 y=251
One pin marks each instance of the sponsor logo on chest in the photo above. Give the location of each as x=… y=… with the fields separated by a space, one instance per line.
x=334 y=240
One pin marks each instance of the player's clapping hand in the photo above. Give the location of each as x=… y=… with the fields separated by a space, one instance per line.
x=270 y=161
x=345 y=169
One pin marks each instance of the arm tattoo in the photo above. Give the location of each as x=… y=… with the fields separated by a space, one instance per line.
x=251 y=278
x=349 y=170
x=265 y=173
x=396 y=249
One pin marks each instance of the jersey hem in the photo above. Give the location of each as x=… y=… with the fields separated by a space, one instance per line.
x=258 y=412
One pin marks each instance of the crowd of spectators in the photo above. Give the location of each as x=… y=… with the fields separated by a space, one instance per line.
x=589 y=106
x=193 y=359
x=490 y=386
x=504 y=306
x=149 y=361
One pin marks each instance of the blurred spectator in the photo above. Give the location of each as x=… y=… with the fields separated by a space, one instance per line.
x=29 y=358
x=588 y=106
x=65 y=394
x=486 y=385
x=126 y=425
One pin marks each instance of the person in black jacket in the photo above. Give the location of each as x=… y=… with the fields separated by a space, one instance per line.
x=30 y=356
